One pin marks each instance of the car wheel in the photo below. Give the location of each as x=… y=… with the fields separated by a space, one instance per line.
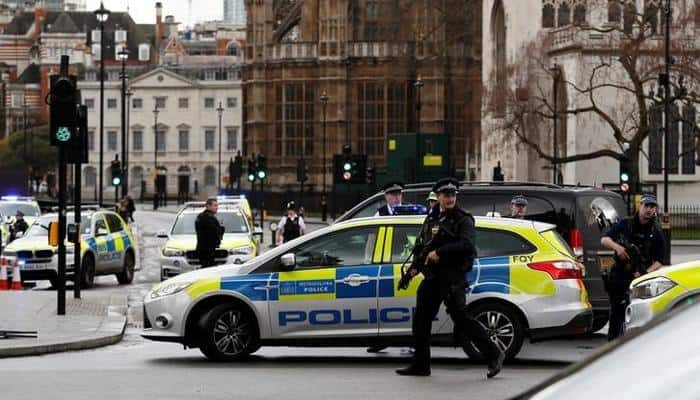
x=87 y=272
x=54 y=282
x=228 y=333
x=503 y=325
x=127 y=275
x=598 y=323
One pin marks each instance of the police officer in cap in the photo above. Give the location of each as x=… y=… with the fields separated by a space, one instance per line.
x=518 y=207
x=291 y=226
x=20 y=225
x=449 y=237
x=393 y=193
x=639 y=247
x=210 y=232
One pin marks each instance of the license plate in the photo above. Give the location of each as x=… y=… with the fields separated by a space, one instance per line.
x=606 y=262
x=32 y=267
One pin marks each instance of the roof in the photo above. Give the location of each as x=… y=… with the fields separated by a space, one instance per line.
x=418 y=220
x=31 y=74
x=63 y=24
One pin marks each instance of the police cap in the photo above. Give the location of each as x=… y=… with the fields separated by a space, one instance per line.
x=519 y=200
x=392 y=187
x=446 y=185
x=649 y=199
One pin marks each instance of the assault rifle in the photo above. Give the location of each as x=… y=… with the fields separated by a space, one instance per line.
x=636 y=262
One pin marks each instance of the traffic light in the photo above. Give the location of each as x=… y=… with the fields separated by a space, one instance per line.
x=347 y=170
x=116 y=169
x=625 y=175
x=302 y=171
x=251 y=170
x=262 y=167
x=63 y=111
x=370 y=178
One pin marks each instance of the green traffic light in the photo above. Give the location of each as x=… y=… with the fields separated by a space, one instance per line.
x=624 y=177
x=63 y=134
x=262 y=174
x=251 y=177
x=116 y=181
x=347 y=166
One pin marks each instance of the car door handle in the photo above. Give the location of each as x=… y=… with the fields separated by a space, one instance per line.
x=355 y=279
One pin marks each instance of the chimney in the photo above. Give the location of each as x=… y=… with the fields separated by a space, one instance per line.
x=39 y=15
x=159 y=24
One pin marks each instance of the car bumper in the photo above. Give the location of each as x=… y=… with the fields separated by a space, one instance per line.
x=172 y=266
x=164 y=317
x=581 y=323
x=641 y=311
x=32 y=270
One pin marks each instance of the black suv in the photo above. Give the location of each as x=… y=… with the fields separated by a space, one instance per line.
x=581 y=214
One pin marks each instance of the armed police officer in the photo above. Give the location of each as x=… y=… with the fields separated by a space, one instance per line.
x=639 y=248
x=209 y=233
x=444 y=254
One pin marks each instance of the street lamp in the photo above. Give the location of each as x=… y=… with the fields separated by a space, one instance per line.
x=556 y=75
x=24 y=133
x=324 y=205
x=418 y=84
x=102 y=14
x=220 y=110
x=666 y=82
x=128 y=95
x=124 y=56
x=155 y=158
x=4 y=76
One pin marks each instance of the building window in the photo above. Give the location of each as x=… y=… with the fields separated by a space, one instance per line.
x=184 y=140
x=651 y=17
x=370 y=116
x=208 y=102
x=232 y=138
x=564 y=14
x=111 y=141
x=629 y=17
x=90 y=103
x=655 y=141
x=137 y=140
x=144 y=52
x=183 y=102
x=688 y=145
x=614 y=11
x=232 y=49
x=498 y=33
x=90 y=177
x=111 y=103
x=17 y=100
x=91 y=140
x=579 y=14
x=137 y=103
x=548 y=16
x=233 y=75
x=209 y=75
x=209 y=176
x=96 y=52
x=160 y=102
x=161 y=141
x=232 y=102
x=295 y=120
x=91 y=76
x=209 y=139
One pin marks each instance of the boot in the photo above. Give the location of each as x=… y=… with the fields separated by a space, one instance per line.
x=414 y=370
x=495 y=365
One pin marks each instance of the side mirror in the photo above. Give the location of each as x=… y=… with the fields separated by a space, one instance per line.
x=289 y=261
x=162 y=234
x=273 y=226
x=101 y=232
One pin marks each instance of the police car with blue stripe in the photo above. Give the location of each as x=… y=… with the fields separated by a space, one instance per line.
x=107 y=247
x=338 y=287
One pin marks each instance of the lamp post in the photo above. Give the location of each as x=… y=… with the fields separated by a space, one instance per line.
x=4 y=76
x=418 y=84
x=324 y=202
x=155 y=157
x=666 y=82
x=556 y=74
x=102 y=14
x=125 y=160
x=220 y=111
x=123 y=56
x=24 y=133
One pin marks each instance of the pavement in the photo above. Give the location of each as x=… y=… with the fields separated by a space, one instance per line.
x=95 y=320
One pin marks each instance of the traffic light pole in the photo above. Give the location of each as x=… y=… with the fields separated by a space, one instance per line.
x=77 y=218
x=61 y=290
x=262 y=205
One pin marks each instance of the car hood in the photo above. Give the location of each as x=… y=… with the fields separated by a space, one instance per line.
x=29 y=243
x=686 y=274
x=189 y=242
x=205 y=273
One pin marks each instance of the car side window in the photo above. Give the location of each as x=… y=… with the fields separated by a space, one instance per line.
x=114 y=224
x=100 y=223
x=370 y=209
x=404 y=239
x=345 y=248
x=493 y=242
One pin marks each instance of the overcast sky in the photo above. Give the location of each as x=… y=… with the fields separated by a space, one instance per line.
x=144 y=11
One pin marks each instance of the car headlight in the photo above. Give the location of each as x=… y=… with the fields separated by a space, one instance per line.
x=170 y=252
x=9 y=253
x=245 y=250
x=168 y=289
x=652 y=287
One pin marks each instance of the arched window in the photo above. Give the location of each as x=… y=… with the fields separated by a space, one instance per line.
x=651 y=18
x=564 y=14
x=232 y=50
x=629 y=17
x=614 y=11
x=548 y=16
x=498 y=33
x=209 y=176
x=136 y=176
x=579 y=14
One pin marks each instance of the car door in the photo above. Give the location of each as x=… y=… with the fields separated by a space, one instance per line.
x=119 y=241
x=100 y=247
x=332 y=291
x=396 y=307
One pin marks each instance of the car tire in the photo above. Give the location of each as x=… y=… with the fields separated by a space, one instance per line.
x=228 y=332
x=498 y=317
x=598 y=323
x=87 y=272
x=54 y=282
x=127 y=275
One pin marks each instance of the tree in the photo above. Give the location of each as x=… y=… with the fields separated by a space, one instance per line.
x=629 y=56
x=41 y=157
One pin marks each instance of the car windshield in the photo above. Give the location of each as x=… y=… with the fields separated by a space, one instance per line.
x=234 y=222
x=10 y=209
x=40 y=227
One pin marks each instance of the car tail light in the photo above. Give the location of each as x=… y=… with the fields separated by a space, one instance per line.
x=558 y=269
x=576 y=242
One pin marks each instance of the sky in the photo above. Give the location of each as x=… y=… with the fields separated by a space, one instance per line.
x=144 y=11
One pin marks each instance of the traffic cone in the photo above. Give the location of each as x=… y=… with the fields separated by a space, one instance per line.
x=4 y=284
x=16 y=278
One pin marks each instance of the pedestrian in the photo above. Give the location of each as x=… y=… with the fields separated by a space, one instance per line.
x=639 y=247
x=130 y=207
x=291 y=226
x=123 y=210
x=20 y=225
x=432 y=200
x=393 y=195
x=209 y=233
x=445 y=255
x=518 y=207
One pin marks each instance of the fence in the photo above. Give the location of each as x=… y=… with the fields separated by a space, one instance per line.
x=685 y=222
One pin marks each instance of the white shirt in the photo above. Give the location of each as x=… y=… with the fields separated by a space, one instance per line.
x=284 y=220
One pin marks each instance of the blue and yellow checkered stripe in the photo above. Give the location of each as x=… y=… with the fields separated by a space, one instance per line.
x=111 y=243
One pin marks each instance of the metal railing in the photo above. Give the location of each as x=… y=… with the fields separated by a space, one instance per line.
x=685 y=222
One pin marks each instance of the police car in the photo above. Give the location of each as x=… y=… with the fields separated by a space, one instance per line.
x=661 y=291
x=239 y=200
x=9 y=205
x=337 y=287
x=107 y=247
x=239 y=244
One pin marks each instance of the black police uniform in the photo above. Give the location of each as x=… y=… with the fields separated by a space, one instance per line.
x=649 y=239
x=446 y=282
x=291 y=229
x=209 y=234
x=20 y=225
